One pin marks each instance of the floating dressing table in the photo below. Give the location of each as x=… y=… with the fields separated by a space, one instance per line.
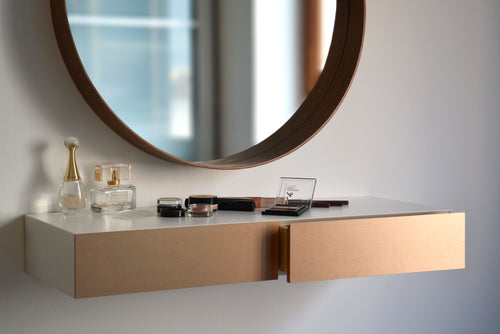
x=90 y=254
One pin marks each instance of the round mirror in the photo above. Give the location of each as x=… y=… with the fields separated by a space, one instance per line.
x=212 y=83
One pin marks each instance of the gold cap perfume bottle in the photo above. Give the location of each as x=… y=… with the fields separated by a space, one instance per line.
x=71 y=191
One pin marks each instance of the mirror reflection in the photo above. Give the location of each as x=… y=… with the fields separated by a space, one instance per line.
x=199 y=79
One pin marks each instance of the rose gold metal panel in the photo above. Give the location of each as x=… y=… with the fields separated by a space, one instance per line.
x=284 y=249
x=375 y=246
x=147 y=260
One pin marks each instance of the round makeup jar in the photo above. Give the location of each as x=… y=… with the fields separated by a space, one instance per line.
x=172 y=213
x=200 y=210
x=203 y=199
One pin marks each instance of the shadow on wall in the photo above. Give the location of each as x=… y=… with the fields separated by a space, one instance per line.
x=40 y=192
x=11 y=248
x=36 y=59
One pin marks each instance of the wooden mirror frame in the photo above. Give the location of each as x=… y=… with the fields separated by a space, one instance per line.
x=316 y=110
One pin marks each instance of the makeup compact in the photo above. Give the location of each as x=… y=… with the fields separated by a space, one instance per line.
x=170 y=207
x=286 y=210
x=297 y=195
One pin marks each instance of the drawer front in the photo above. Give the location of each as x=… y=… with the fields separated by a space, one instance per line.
x=373 y=246
x=147 y=260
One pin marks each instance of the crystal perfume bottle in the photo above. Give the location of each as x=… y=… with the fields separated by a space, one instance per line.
x=71 y=191
x=112 y=191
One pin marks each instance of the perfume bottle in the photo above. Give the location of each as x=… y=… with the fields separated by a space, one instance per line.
x=112 y=191
x=71 y=191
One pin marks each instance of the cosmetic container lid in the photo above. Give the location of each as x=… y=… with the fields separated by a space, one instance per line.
x=169 y=212
x=169 y=201
x=297 y=193
x=296 y=190
x=113 y=174
x=206 y=199
x=200 y=210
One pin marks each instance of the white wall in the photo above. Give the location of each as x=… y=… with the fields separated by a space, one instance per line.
x=420 y=123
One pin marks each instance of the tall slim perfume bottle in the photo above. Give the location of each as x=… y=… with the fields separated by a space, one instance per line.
x=112 y=191
x=71 y=191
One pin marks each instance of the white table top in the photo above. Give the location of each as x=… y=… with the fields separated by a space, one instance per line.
x=146 y=218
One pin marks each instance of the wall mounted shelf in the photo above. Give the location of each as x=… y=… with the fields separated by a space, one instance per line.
x=90 y=254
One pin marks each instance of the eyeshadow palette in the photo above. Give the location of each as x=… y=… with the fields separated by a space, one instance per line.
x=286 y=210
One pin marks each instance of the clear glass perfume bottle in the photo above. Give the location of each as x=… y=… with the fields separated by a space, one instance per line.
x=112 y=191
x=71 y=191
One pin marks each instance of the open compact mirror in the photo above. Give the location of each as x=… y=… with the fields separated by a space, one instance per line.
x=220 y=84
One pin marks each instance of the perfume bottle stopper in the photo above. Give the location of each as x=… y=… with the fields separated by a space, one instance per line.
x=72 y=173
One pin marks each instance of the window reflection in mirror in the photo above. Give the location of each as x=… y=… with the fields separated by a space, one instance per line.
x=197 y=78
